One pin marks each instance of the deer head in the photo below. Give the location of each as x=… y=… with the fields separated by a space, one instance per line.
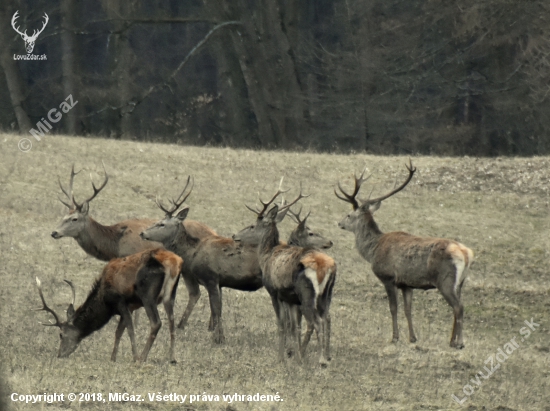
x=75 y=221
x=69 y=334
x=165 y=230
x=367 y=207
x=303 y=236
x=253 y=234
x=29 y=40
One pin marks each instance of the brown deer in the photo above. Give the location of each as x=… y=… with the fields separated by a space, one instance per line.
x=299 y=281
x=108 y=242
x=405 y=261
x=140 y=280
x=213 y=262
x=301 y=236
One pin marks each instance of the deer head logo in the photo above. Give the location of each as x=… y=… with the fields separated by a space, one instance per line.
x=29 y=40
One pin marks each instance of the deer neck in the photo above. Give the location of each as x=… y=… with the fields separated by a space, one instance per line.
x=100 y=241
x=367 y=236
x=183 y=243
x=269 y=241
x=93 y=314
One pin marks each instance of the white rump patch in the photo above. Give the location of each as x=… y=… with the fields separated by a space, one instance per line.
x=319 y=288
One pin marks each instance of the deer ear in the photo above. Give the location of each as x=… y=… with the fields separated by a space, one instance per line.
x=85 y=208
x=182 y=214
x=375 y=206
x=272 y=214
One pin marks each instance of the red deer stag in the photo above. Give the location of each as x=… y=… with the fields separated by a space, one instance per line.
x=213 y=262
x=299 y=281
x=108 y=242
x=140 y=280
x=301 y=236
x=405 y=261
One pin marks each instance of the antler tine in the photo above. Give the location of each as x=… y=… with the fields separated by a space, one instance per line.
x=260 y=213
x=300 y=196
x=166 y=211
x=411 y=170
x=351 y=198
x=296 y=216
x=45 y=307
x=13 y=19
x=96 y=190
x=69 y=193
x=178 y=203
x=73 y=290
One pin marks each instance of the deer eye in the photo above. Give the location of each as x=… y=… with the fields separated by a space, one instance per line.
x=310 y=234
x=161 y=225
x=75 y=219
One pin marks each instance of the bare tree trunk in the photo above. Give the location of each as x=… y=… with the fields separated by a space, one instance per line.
x=268 y=68
x=68 y=63
x=121 y=57
x=13 y=76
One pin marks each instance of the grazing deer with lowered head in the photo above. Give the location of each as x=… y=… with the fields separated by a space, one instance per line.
x=299 y=280
x=405 y=261
x=108 y=242
x=140 y=280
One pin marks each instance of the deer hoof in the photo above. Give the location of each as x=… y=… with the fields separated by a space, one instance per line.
x=323 y=363
x=394 y=339
x=413 y=339
x=219 y=339
x=457 y=346
x=173 y=362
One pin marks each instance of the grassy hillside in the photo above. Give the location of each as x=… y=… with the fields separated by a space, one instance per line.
x=498 y=207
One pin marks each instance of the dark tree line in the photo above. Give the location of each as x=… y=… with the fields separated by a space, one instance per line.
x=382 y=76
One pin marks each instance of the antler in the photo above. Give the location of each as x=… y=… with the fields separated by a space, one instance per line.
x=96 y=190
x=351 y=198
x=46 y=308
x=260 y=213
x=298 y=198
x=15 y=17
x=69 y=194
x=401 y=187
x=180 y=200
x=37 y=32
x=296 y=216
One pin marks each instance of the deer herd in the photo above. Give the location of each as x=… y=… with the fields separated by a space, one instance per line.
x=147 y=257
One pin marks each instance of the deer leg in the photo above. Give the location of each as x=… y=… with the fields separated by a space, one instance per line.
x=307 y=335
x=127 y=317
x=309 y=310
x=407 y=299
x=281 y=321
x=216 y=310
x=448 y=292
x=211 y=321
x=194 y=294
x=391 y=290
x=295 y=317
x=154 y=321
x=118 y=334
x=169 y=308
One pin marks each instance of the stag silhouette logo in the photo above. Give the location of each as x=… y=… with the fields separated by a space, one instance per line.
x=29 y=40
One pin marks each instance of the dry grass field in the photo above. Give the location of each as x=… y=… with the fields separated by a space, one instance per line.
x=498 y=207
